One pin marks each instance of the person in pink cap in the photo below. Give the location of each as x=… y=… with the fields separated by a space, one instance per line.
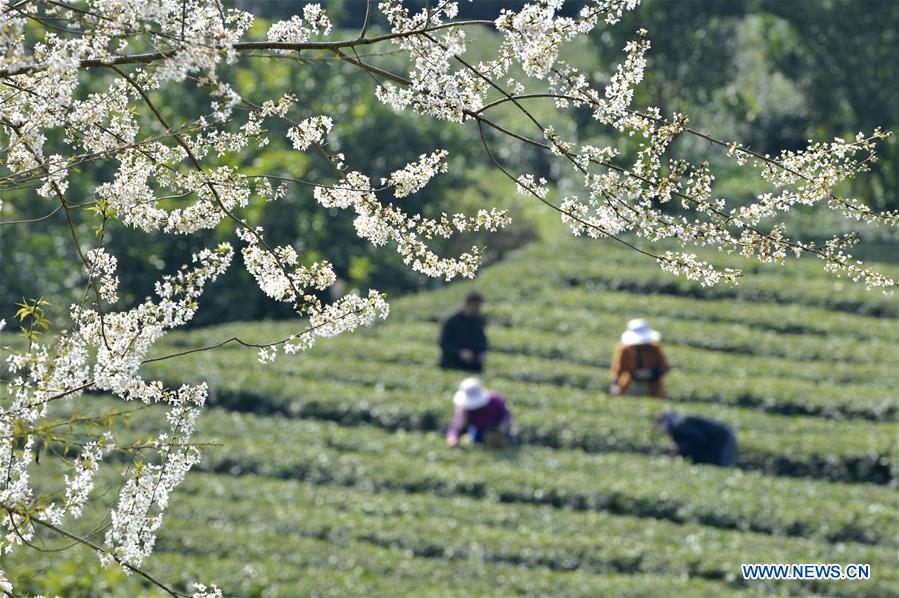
x=480 y=413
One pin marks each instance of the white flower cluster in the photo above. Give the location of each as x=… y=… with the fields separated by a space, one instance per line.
x=296 y=30
x=415 y=175
x=103 y=268
x=279 y=274
x=80 y=485
x=527 y=185
x=434 y=88
x=202 y=591
x=325 y=321
x=534 y=34
x=56 y=181
x=104 y=353
x=692 y=268
x=380 y=223
x=138 y=515
x=310 y=131
x=809 y=176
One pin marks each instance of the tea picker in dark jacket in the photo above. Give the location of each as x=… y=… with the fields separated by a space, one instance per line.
x=699 y=439
x=463 y=343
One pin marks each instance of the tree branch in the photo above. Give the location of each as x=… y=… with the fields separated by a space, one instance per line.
x=97 y=548
x=150 y=57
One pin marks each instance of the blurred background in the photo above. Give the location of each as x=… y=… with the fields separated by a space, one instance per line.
x=766 y=73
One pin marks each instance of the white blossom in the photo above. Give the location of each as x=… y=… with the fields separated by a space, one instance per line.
x=202 y=591
x=296 y=30
x=102 y=268
x=415 y=175
x=311 y=130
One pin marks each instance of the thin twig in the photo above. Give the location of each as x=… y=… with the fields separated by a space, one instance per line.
x=97 y=548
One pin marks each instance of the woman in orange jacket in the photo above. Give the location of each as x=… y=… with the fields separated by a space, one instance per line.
x=639 y=363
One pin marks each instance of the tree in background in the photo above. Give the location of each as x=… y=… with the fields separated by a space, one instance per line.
x=100 y=87
x=741 y=70
x=775 y=74
x=855 y=42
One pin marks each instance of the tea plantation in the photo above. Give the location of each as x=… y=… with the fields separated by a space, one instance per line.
x=329 y=475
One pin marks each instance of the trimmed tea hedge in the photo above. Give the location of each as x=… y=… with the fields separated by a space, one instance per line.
x=387 y=396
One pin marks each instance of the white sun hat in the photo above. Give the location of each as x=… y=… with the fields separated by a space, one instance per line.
x=639 y=333
x=471 y=395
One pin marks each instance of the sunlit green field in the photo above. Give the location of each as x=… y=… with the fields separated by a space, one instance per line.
x=330 y=475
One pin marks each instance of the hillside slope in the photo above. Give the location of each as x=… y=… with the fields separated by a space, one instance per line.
x=332 y=478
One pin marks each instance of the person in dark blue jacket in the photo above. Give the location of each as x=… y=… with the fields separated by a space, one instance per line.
x=699 y=439
x=463 y=343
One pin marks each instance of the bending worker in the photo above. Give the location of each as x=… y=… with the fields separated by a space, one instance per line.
x=699 y=439
x=480 y=413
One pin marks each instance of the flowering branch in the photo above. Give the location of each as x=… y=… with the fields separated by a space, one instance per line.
x=14 y=512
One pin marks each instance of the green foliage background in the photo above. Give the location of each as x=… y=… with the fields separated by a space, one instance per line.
x=767 y=73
